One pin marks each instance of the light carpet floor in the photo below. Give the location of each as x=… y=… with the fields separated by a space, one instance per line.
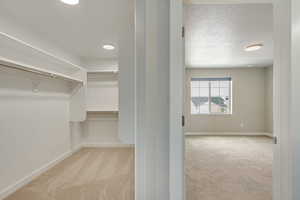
x=90 y=174
x=228 y=168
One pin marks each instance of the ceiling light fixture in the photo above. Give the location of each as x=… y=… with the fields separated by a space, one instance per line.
x=70 y=2
x=108 y=47
x=254 y=47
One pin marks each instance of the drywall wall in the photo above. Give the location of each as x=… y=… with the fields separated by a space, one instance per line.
x=102 y=92
x=101 y=129
x=101 y=125
x=269 y=99
x=76 y=131
x=34 y=125
x=248 y=107
x=34 y=128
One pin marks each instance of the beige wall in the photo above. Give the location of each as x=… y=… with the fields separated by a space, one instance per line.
x=249 y=112
x=269 y=99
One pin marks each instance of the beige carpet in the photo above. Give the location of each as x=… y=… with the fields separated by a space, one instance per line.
x=228 y=168
x=90 y=174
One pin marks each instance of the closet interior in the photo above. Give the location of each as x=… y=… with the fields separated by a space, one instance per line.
x=61 y=134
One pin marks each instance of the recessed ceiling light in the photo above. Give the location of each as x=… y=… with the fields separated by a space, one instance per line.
x=70 y=2
x=254 y=47
x=108 y=47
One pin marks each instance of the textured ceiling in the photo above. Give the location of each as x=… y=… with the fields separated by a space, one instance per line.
x=81 y=30
x=217 y=34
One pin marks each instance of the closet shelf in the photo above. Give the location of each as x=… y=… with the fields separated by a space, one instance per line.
x=11 y=45
x=9 y=64
x=102 y=111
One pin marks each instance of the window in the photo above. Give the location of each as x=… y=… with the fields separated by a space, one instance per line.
x=210 y=96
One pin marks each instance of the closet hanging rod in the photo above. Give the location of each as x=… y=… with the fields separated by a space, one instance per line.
x=29 y=69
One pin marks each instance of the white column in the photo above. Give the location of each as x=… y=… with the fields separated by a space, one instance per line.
x=152 y=87
x=295 y=96
x=126 y=74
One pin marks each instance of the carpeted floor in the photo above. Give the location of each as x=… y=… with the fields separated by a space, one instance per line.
x=228 y=168
x=90 y=174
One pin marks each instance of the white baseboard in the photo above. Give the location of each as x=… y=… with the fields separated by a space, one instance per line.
x=105 y=145
x=27 y=179
x=228 y=133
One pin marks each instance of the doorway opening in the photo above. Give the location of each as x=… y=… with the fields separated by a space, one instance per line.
x=228 y=101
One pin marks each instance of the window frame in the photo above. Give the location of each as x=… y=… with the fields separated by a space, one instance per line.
x=209 y=97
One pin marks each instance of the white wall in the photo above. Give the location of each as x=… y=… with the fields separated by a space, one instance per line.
x=76 y=131
x=248 y=97
x=101 y=129
x=34 y=127
x=102 y=92
x=100 y=64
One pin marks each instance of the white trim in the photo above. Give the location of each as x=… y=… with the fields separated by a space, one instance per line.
x=228 y=134
x=176 y=147
x=30 y=177
x=283 y=164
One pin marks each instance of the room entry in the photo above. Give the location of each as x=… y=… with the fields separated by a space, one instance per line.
x=228 y=101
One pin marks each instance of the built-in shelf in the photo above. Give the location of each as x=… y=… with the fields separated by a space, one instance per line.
x=9 y=64
x=102 y=111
